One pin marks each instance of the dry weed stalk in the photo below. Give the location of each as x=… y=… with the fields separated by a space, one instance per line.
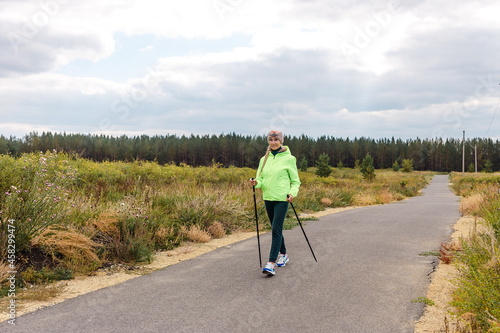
x=447 y=251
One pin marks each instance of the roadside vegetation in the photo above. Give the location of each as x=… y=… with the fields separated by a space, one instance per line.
x=477 y=294
x=72 y=216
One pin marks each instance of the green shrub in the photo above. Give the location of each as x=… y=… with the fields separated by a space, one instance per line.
x=323 y=169
x=367 y=168
x=395 y=166
x=32 y=276
x=488 y=166
x=407 y=165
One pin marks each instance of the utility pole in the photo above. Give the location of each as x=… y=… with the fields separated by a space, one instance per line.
x=475 y=157
x=463 y=156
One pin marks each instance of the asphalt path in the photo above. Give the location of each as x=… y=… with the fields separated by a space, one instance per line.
x=369 y=270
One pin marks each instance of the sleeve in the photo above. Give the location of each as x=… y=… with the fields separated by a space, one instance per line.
x=294 y=177
x=257 y=177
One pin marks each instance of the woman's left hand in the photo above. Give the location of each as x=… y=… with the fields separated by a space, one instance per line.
x=289 y=198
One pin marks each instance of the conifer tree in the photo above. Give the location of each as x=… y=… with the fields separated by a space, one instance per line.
x=367 y=168
x=323 y=169
x=407 y=165
x=488 y=166
x=303 y=164
x=395 y=166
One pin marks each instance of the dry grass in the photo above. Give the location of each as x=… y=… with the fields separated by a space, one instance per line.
x=197 y=235
x=4 y=271
x=216 y=230
x=162 y=235
x=326 y=202
x=35 y=293
x=104 y=229
x=364 y=199
x=472 y=204
x=42 y=292
x=106 y=223
x=384 y=196
x=76 y=249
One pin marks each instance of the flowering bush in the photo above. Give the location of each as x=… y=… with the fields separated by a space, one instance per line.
x=37 y=197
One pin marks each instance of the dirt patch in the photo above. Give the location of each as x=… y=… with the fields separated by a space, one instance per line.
x=441 y=288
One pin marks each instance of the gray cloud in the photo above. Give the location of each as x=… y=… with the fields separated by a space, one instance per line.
x=431 y=71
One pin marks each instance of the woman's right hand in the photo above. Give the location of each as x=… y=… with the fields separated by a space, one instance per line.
x=253 y=182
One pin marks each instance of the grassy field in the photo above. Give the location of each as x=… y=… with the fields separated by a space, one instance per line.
x=66 y=215
x=477 y=295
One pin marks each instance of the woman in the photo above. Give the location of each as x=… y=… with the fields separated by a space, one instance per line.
x=278 y=177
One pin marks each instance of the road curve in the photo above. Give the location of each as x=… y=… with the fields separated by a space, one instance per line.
x=368 y=272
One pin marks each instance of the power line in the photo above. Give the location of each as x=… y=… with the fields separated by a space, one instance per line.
x=494 y=113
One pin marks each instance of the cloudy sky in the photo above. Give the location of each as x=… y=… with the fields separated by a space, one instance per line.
x=377 y=68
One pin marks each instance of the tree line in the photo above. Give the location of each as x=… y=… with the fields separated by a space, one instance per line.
x=443 y=155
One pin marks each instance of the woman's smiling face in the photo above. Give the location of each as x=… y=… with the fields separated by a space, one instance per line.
x=274 y=142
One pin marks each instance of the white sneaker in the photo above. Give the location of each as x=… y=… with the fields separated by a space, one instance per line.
x=269 y=269
x=282 y=260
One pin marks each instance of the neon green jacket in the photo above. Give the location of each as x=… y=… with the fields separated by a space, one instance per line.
x=279 y=176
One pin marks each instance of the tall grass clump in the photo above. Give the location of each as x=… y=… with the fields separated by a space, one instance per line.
x=68 y=249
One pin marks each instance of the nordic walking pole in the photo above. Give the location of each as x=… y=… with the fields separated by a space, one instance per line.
x=307 y=240
x=257 y=224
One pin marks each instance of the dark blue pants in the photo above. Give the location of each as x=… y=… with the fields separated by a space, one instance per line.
x=276 y=210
